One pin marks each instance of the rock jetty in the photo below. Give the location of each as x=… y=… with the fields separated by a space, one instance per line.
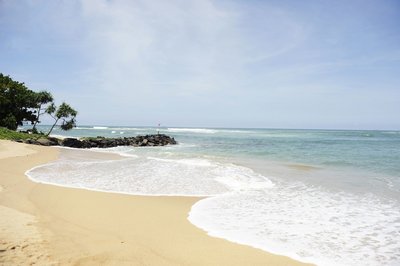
x=102 y=142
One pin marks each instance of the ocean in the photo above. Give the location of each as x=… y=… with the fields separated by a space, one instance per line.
x=330 y=197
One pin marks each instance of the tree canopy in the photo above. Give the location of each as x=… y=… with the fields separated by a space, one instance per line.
x=19 y=104
x=42 y=99
x=65 y=113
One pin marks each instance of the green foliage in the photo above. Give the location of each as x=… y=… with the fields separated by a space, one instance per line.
x=14 y=135
x=51 y=108
x=65 y=113
x=42 y=99
x=8 y=121
x=67 y=125
x=17 y=103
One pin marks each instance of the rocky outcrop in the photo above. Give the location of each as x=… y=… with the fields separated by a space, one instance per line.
x=102 y=142
x=43 y=141
x=50 y=141
x=71 y=142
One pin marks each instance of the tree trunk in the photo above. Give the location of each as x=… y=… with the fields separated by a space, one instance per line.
x=51 y=129
x=37 y=121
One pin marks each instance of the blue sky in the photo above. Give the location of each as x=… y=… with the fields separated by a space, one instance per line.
x=274 y=64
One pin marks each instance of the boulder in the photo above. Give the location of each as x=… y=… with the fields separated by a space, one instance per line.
x=71 y=142
x=44 y=142
x=54 y=141
x=28 y=141
x=102 y=142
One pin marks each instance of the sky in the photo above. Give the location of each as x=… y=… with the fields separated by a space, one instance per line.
x=202 y=63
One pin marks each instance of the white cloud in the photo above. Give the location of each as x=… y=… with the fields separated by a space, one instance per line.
x=188 y=62
x=181 y=46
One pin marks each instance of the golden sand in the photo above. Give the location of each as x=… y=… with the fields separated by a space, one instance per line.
x=50 y=225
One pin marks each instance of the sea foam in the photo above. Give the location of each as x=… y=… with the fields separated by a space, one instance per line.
x=306 y=223
x=148 y=175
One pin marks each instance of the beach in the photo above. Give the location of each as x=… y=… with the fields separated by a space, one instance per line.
x=200 y=133
x=53 y=225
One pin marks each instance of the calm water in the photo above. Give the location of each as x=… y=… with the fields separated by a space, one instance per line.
x=328 y=197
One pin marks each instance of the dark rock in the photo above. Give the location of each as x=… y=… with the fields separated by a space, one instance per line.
x=71 y=142
x=29 y=141
x=54 y=141
x=102 y=142
x=44 y=142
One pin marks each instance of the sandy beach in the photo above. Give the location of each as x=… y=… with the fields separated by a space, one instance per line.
x=50 y=225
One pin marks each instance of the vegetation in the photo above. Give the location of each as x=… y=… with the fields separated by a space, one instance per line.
x=65 y=113
x=18 y=104
x=43 y=98
x=6 y=133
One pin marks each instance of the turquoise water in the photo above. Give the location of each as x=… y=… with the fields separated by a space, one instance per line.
x=376 y=151
x=331 y=197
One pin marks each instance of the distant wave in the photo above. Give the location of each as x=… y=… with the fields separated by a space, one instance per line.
x=194 y=130
x=58 y=136
x=132 y=128
x=114 y=128
x=153 y=129
x=86 y=128
x=208 y=130
x=391 y=132
x=237 y=131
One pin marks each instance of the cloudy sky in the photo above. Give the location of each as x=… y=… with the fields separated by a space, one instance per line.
x=274 y=64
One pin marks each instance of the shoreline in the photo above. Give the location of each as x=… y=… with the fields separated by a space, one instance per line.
x=76 y=226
